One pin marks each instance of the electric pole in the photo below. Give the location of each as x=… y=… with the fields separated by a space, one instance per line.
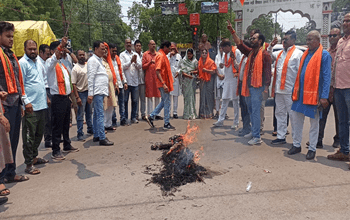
x=63 y=18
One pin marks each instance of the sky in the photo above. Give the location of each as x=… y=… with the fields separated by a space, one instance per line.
x=287 y=19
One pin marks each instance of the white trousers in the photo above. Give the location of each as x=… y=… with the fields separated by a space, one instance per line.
x=284 y=104
x=150 y=106
x=108 y=116
x=297 y=129
x=217 y=104
x=224 y=107
x=174 y=100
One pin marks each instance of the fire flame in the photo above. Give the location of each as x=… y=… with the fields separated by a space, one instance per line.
x=190 y=135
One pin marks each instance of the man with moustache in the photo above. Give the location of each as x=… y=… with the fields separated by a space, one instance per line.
x=97 y=90
x=80 y=91
x=149 y=66
x=131 y=65
x=310 y=93
x=342 y=91
x=35 y=101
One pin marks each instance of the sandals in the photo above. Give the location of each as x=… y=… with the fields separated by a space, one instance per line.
x=13 y=180
x=5 y=189
x=32 y=170
x=110 y=129
x=40 y=161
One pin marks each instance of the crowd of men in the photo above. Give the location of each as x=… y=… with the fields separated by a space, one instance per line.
x=38 y=91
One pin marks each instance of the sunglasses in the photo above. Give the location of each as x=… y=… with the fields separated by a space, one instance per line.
x=333 y=35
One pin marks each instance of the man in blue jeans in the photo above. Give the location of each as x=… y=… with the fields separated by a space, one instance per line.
x=80 y=89
x=165 y=85
x=256 y=79
x=342 y=91
x=97 y=90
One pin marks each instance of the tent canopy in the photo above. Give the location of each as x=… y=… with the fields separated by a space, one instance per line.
x=39 y=31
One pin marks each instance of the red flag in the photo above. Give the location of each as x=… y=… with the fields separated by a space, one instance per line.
x=242 y=2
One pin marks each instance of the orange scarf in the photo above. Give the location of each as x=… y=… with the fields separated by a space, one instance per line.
x=209 y=64
x=284 y=70
x=10 y=74
x=230 y=61
x=110 y=64
x=311 y=79
x=239 y=68
x=60 y=79
x=119 y=67
x=256 y=79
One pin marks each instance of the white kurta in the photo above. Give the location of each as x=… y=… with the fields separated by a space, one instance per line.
x=219 y=82
x=175 y=67
x=230 y=82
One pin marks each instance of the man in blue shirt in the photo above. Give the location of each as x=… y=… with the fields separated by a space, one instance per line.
x=35 y=101
x=310 y=93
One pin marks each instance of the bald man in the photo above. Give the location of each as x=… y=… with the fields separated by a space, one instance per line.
x=310 y=93
x=342 y=90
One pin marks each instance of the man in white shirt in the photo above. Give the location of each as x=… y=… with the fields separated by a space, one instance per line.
x=142 y=87
x=230 y=60
x=122 y=84
x=174 y=60
x=58 y=79
x=44 y=54
x=80 y=90
x=131 y=63
x=97 y=90
x=286 y=71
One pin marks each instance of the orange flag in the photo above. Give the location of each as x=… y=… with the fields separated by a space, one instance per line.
x=242 y=2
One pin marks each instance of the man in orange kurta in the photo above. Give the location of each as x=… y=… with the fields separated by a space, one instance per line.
x=149 y=66
x=165 y=85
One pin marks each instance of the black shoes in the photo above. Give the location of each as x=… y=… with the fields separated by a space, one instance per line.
x=96 y=139
x=149 y=120
x=106 y=142
x=3 y=200
x=123 y=123
x=159 y=117
x=310 y=155
x=279 y=141
x=294 y=150
x=175 y=116
x=168 y=127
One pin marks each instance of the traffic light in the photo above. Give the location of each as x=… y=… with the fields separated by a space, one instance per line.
x=194 y=37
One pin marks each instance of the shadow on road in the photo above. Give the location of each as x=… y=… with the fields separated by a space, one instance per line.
x=82 y=172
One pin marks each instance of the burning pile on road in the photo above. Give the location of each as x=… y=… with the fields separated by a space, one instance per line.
x=179 y=163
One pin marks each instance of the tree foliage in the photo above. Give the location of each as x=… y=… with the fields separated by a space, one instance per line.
x=149 y=23
x=266 y=25
x=103 y=17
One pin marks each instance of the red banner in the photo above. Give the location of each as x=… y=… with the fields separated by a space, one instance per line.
x=194 y=19
x=223 y=7
x=182 y=9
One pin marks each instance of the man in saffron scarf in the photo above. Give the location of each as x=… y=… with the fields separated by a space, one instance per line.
x=229 y=62
x=310 y=93
x=165 y=85
x=342 y=91
x=11 y=81
x=286 y=71
x=59 y=81
x=256 y=79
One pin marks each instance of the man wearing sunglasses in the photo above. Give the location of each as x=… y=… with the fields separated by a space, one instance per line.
x=342 y=90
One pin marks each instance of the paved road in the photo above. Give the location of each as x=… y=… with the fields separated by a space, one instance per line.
x=108 y=182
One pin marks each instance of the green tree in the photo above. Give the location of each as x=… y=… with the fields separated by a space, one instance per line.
x=103 y=17
x=148 y=23
x=265 y=23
